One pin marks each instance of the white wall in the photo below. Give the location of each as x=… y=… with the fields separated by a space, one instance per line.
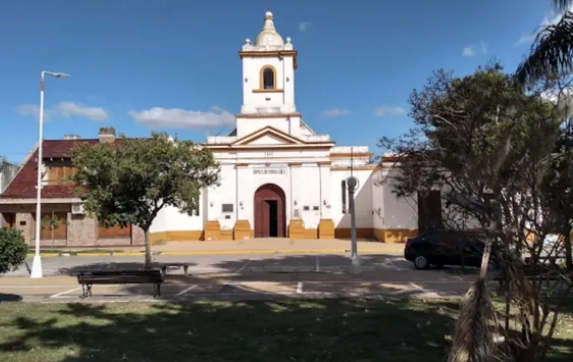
x=377 y=200
x=171 y=219
x=226 y=193
x=398 y=213
x=363 y=199
x=308 y=186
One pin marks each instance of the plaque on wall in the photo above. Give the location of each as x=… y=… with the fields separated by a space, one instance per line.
x=269 y=171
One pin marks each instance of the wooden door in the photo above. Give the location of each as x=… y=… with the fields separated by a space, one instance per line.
x=429 y=211
x=269 y=192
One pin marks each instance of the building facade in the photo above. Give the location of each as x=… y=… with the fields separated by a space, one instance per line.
x=278 y=178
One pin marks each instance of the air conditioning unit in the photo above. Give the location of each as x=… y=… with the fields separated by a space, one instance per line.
x=77 y=209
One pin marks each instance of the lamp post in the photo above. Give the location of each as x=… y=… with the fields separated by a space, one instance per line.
x=352 y=183
x=37 y=262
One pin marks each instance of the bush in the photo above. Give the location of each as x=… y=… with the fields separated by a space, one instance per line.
x=13 y=250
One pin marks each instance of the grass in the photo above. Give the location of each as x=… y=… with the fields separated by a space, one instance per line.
x=295 y=330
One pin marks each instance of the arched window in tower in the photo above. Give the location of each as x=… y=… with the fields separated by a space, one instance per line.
x=268 y=78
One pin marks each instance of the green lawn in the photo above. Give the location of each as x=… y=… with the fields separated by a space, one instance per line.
x=311 y=330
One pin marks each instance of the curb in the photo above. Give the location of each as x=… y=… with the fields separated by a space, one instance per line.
x=224 y=252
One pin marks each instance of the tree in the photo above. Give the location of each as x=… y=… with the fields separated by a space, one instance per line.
x=13 y=250
x=552 y=51
x=129 y=181
x=52 y=223
x=494 y=151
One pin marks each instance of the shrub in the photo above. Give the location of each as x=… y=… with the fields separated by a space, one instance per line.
x=13 y=250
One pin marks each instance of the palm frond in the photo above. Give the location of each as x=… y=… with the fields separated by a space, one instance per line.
x=562 y=5
x=473 y=339
x=551 y=53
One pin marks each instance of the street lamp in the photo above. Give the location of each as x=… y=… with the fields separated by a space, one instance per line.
x=352 y=183
x=37 y=262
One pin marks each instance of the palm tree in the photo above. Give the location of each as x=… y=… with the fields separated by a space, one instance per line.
x=552 y=51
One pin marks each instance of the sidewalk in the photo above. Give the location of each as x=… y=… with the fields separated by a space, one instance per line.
x=257 y=246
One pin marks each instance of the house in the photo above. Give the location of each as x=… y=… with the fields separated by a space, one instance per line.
x=18 y=202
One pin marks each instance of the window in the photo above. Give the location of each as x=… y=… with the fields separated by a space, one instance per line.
x=60 y=174
x=268 y=78
x=115 y=231
x=9 y=220
x=343 y=186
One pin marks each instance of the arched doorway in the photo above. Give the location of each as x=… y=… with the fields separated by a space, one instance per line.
x=270 y=212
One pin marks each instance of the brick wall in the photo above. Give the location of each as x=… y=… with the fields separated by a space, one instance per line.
x=82 y=230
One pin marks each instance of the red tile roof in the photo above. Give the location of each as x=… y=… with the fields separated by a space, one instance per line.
x=24 y=184
x=62 y=148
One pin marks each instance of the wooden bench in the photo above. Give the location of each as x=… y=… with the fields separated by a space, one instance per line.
x=165 y=266
x=151 y=276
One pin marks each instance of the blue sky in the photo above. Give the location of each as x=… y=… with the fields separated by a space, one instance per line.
x=358 y=60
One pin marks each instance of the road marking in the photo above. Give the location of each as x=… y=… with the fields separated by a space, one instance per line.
x=317 y=265
x=243 y=267
x=299 y=288
x=186 y=290
x=64 y=293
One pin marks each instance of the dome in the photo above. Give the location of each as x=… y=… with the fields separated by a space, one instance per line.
x=269 y=36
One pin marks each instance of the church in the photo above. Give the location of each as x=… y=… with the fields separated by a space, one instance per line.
x=278 y=177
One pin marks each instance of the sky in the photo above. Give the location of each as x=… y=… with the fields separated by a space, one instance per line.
x=172 y=65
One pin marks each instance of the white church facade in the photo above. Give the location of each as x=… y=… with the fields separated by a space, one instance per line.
x=278 y=178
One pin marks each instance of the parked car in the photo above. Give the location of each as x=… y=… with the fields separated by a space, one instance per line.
x=444 y=247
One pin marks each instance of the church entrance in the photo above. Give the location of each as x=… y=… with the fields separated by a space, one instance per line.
x=270 y=212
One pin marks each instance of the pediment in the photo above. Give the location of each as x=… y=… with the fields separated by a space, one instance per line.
x=268 y=136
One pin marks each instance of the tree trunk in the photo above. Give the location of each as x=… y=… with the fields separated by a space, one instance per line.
x=147 y=249
x=568 y=254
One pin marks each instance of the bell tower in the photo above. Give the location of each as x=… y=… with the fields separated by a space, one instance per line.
x=268 y=73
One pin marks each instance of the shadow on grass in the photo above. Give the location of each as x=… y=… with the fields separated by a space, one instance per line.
x=9 y=297
x=295 y=330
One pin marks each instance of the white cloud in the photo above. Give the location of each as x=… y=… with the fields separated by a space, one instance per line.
x=389 y=111
x=30 y=110
x=70 y=110
x=66 y=110
x=335 y=112
x=159 y=117
x=468 y=52
x=473 y=50
x=550 y=19
x=304 y=26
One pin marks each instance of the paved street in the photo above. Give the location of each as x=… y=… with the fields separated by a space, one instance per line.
x=240 y=277
x=201 y=264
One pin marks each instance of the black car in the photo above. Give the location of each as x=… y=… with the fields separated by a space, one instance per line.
x=444 y=247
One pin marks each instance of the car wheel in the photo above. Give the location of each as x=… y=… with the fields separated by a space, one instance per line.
x=421 y=262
